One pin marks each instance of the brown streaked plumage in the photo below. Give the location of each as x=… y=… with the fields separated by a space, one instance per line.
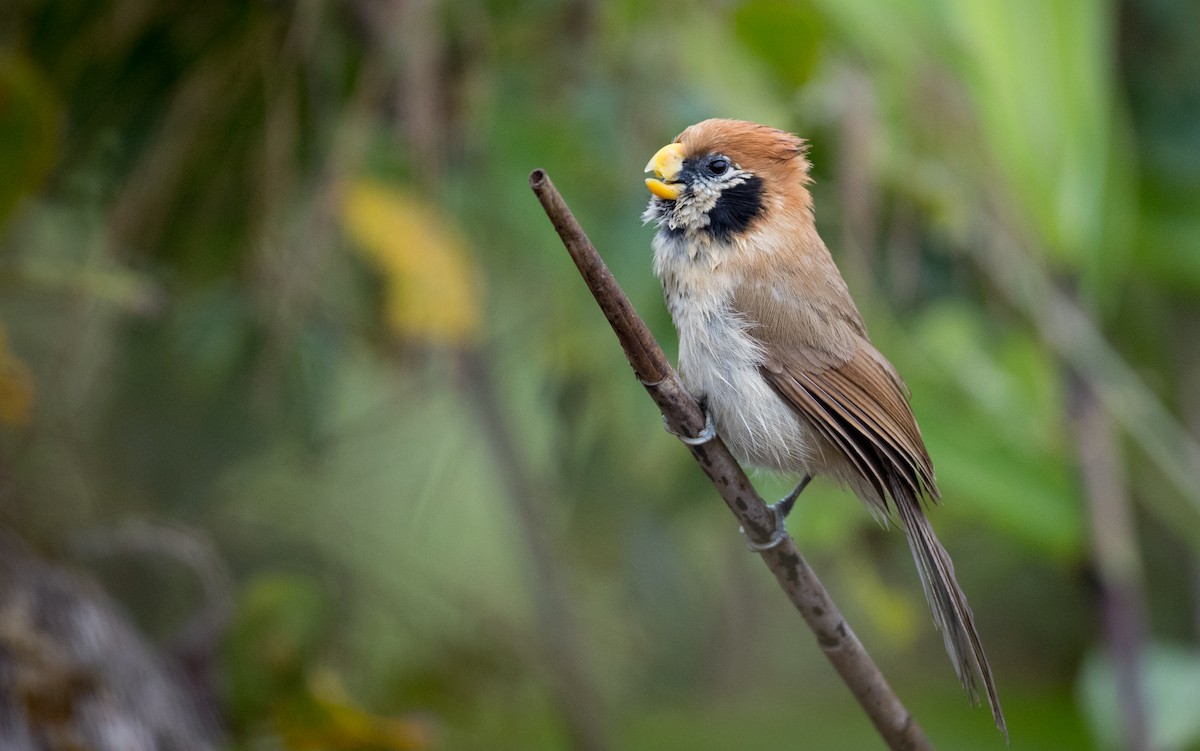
x=771 y=342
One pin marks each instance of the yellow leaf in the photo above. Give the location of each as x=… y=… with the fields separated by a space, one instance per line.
x=16 y=387
x=326 y=718
x=432 y=288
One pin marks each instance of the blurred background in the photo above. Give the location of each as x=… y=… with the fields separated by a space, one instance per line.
x=304 y=406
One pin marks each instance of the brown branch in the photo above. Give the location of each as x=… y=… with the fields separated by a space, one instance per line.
x=840 y=645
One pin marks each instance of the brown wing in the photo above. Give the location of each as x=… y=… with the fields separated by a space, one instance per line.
x=859 y=408
x=820 y=362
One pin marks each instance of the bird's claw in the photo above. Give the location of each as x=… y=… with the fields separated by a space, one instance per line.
x=779 y=511
x=704 y=436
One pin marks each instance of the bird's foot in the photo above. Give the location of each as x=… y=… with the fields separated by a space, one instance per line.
x=780 y=510
x=704 y=436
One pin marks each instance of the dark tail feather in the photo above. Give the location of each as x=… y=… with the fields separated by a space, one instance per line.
x=949 y=605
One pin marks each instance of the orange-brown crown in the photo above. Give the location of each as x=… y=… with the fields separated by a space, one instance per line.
x=759 y=148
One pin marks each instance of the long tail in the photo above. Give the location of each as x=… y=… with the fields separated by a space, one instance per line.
x=950 y=610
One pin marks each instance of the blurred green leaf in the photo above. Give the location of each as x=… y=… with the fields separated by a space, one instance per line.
x=786 y=35
x=280 y=625
x=996 y=438
x=1169 y=252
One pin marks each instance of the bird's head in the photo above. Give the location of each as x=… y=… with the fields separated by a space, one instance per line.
x=721 y=177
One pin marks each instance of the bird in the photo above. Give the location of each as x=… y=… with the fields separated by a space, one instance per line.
x=774 y=349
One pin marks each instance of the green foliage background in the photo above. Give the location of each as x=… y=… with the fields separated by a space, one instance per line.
x=197 y=330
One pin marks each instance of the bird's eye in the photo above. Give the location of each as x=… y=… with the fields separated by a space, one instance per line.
x=718 y=166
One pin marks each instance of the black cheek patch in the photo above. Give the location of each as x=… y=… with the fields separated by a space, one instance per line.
x=736 y=209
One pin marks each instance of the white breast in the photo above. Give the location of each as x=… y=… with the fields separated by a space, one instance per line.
x=719 y=360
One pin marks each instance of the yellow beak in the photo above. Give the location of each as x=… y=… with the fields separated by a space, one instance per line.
x=666 y=165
